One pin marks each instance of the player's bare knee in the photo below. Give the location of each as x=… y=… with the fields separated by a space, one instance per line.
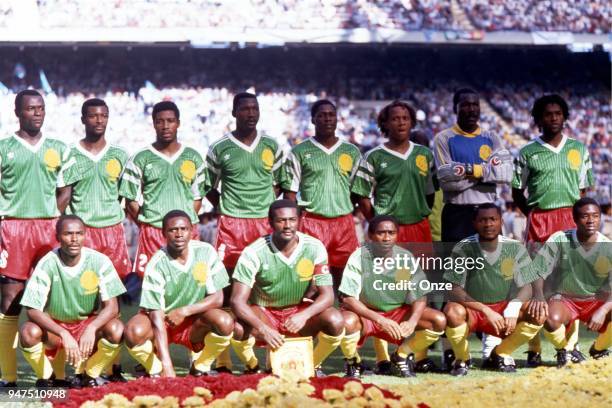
x=438 y=321
x=351 y=322
x=135 y=334
x=455 y=314
x=238 y=332
x=223 y=323
x=333 y=322
x=113 y=331
x=30 y=334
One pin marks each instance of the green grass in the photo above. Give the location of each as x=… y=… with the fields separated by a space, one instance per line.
x=334 y=364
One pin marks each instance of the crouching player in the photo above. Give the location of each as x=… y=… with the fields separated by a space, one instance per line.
x=375 y=308
x=181 y=303
x=273 y=274
x=61 y=298
x=581 y=259
x=498 y=267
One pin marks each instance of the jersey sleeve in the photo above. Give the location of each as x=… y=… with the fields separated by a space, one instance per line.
x=213 y=170
x=443 y=161
x=38 y=287
x=524 y=272
x=521 y=172
x=110 y=283
x=417 y=277
x=364 y=181
x=451 y=275
x=291 y=175
x=547 y=257
x=130 y=186
x=69 y=173
x=350 y=285
x=65 y=157
x=198 y=186
x=218 y=277
x=247 y=267
x=356 y=162
x=430 y=186
x=277 y=167
x=586 y=171
x=153 y=288
x=321 y=276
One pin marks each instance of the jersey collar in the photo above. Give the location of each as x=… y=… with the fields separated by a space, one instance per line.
x=71 y=271
x=458 y=131
x=581 y=249
x=169 y=159
x=491 y=257
x=91 y=156
x=398 y=154
x=550 y=147
x=327 y=151
x=288 y=260
x=33 y=148
x=177 y=264
x=243 y=146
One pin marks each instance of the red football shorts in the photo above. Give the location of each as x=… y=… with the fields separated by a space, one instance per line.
x=234 y=234
x=24 y=242
x=541 y=224
x=337 y=234
x=417 y=232
x=371 y=329
x=478 y=322
x=111 y=242
x=583 y=310
x=276 y=317
x=75 y=329
x=150 y=240
x=180 y=334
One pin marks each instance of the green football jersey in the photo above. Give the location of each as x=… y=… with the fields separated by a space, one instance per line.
x=322 y=176
x=397 y=183
x=168 y=284
x=29 y=176
x=553 y=176
x=95 y=184
x=244 y=175
x=366 y=278
x=164 y=183
x=278 y=281
x=494 y=275
x=72 y=293
x=571 y=269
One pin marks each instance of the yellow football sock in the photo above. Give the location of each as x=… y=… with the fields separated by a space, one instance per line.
x=604 y=340
x=348 y=345
x=80 y=368
x=224 y=359
x=145 y=355
x=420 y=341
x=420 y=355
x=214 y=344
x=521 y=334
x=557 y=337
x=59 y=364
x=116 y=361
x=571 y=334
x=535 y=344
x=457 y=337
x=8 y=347
x=326 y=344
x=244 y=351
x=103 y=357
x=381 y=347
x=36 y=357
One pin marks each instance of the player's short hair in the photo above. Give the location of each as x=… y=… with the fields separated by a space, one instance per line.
x=384 y=113
x=65 y=218
x=538 y=106
x=92 y=102
x=486 y=206
x=174 y=214
x=374 y=222
x=315 y=106
x=278 y=204
x=165 y=106
x=240 y=96
x=22 y=94
x=583 y=202
x=458 y=93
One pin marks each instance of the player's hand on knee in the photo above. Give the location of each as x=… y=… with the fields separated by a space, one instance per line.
x=176 y=317
x=391 y=327
x=73 y=354
x=407 y=328
x=168 y=370
x=496 y=320
x=273 y=338
x=537 y=309
x=597 y=320
x=510 y=323
x=296 y=322
x=87 y=341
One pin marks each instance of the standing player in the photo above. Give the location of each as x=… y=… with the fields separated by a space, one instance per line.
x=91 y=191
x=29 y=166
x=500 y=267
x=387 y=303
x=62 y=299
x=321 y=170
x=164 y=176
x=398 y=176
x=579 y=261
x=271 y=278
x=555 y=170
x=181 y=300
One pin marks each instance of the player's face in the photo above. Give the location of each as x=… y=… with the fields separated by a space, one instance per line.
x=284 y=223
x=488 y=224
x=95 y=120
x=588 y=219
x=552 y=119
x=166 y=126
x=399 y=123
x=31 y=114
x=385 y=234
x=178 y=233
x=247 y=114
x=325 y=120
x=468 y=110
x=71 y=237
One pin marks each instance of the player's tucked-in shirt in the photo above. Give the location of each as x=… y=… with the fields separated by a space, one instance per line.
x=245 y=175
x=29 y=176
x=573 y=270
x=366 y=278
x=496 y=275
x=322 y=176
x=278 y=281
x=398 y=183
x=168 y=284
x=72 y=293
x=553 y=176
x=95 y=184
x=164 y=183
